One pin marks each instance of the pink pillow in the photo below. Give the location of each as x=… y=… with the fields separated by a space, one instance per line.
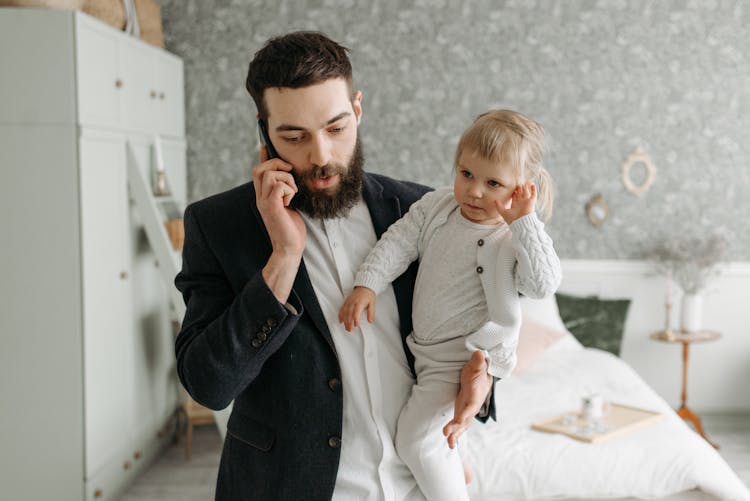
x=533 y=339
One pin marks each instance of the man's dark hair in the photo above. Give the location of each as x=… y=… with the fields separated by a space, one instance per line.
x=296 y=60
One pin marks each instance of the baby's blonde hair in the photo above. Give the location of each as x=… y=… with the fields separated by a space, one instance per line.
x=513 y=140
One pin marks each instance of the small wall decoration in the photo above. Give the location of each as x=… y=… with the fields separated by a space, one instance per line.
x=638 y=157
x=597 y=210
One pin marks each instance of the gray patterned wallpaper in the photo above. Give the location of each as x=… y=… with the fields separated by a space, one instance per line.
x=603 y=77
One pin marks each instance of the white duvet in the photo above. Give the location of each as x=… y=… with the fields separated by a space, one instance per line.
x=511 y=461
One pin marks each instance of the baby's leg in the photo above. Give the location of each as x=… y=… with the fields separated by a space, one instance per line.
x=420 y=443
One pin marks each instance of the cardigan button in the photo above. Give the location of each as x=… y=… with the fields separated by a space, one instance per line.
x=480 y=242
x=334 y=384
x=480 y=269
x=334 y=442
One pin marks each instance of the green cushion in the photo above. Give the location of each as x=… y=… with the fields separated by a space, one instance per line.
x=596 y=323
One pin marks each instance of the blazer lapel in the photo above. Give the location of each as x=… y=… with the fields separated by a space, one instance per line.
x=384 y=208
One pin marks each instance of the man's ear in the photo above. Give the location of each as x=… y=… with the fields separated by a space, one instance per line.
x=357 y=105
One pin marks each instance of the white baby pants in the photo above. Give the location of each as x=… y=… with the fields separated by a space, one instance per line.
x=420 y=442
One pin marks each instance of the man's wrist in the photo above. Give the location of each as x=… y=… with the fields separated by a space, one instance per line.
x=279 y=274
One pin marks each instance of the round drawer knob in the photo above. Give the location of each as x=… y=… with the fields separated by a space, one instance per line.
x=126 y=465
x=98 y=493
x=137 y=454
x=124 y=275
x=153 y=94
x=118 y=83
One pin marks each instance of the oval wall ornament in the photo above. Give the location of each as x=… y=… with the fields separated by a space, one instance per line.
x=638 y=157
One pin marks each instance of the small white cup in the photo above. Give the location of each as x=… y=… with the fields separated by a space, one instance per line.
x=593 y=407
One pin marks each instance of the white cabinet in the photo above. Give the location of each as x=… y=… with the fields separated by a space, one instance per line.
x=87 y=373
x=127 y=83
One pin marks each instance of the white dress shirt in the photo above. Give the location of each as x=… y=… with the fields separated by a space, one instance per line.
x=375 y=375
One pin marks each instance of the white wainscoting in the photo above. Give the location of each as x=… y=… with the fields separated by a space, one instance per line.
x=718 y=372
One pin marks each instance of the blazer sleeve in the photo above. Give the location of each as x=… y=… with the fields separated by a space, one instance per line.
x=225 y=337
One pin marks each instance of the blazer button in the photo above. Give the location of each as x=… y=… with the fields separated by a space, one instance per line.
x=270 y=322
x=262 y=336
x=480 y=242
x=256 y=343
x=334 y=383
x=334 y=442
x=480 y=269
x=265 y=329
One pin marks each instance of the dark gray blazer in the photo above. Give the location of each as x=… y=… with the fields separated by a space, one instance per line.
x=239 y=343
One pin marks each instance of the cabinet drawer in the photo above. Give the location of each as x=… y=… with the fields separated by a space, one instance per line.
x=171 y=88
x=100 y=83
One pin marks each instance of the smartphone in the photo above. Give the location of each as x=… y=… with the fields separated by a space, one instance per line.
x=263 y=131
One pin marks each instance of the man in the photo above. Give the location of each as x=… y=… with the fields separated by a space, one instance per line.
x=266 y=267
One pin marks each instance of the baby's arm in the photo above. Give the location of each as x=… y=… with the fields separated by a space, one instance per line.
x=354 y=305
x=538 y=272
x=397 y=248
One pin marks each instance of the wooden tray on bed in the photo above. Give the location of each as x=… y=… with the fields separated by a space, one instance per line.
x=619 y=420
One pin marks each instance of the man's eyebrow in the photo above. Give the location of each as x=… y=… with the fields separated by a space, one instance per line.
x=290 y=127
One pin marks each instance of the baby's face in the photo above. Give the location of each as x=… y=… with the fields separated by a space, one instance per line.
x=480 y=186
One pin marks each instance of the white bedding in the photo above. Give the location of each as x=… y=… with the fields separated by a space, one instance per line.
x=511 y=461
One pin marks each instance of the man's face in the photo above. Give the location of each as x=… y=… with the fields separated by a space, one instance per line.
x=315 y=129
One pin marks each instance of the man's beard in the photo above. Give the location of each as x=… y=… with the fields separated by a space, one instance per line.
x=325 y=204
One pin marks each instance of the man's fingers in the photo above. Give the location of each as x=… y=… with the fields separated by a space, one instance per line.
x=274 y=165
x=283 y=191
x=272 y=179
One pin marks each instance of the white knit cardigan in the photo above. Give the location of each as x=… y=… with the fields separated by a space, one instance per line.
x=519 y=260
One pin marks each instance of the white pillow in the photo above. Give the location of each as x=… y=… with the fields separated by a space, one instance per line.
x=542 y=311
x=545 y=312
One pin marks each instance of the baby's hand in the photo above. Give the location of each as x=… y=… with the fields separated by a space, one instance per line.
x=354 y=305
x=522 y=202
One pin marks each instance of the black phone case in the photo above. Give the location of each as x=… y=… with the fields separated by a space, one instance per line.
x=266 y=140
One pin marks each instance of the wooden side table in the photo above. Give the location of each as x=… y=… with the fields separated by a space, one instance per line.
x=703 y=336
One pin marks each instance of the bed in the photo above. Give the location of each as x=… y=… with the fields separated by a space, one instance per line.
x=664 y=460
x=510 y=461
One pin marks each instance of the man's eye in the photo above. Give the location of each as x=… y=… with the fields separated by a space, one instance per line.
x=337 y=130
x=292 y=139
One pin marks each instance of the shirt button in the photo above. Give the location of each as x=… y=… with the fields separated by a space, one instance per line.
x=256 y=343
x=334 y=442
x=480 y=242
x=334 y=383
x=480 y=269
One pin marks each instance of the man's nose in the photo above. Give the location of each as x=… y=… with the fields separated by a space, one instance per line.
x=320 y=151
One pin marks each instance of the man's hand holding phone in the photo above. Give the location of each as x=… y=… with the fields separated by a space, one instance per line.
x=274 y=190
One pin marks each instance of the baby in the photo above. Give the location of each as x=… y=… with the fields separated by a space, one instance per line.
x=479 y=245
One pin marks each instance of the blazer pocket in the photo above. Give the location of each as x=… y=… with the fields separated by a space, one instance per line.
x=251 y=432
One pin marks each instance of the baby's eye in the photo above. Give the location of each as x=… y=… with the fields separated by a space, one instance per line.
x=493 y=184
x=466 y=173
